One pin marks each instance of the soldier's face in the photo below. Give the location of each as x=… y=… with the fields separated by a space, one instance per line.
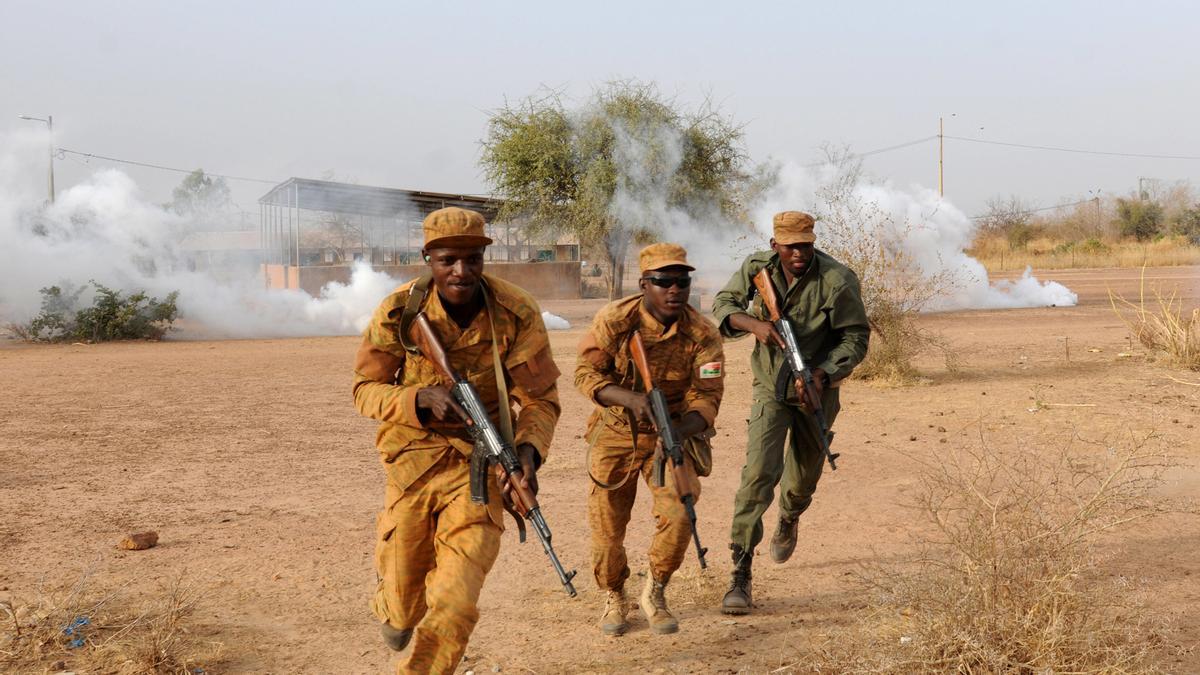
x=666 y=291
x=456 y=272
x=795 y=257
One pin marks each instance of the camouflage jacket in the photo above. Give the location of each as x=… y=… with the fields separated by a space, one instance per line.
x=387 y=378
x=686 y=361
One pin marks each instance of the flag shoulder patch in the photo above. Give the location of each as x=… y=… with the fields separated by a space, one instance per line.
x=710 y=370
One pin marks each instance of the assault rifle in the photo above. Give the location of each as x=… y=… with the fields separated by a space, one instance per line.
x=671 y=444
x=796 y=370
x=490 y=446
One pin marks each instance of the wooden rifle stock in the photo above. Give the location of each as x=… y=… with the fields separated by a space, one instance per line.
x=431 y=348
x=637 y=350
x=766 y=289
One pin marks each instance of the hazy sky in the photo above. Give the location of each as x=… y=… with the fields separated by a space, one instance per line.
x=398 y=93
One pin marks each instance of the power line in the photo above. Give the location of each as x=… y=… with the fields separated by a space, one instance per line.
x=896 y=147
x=859 y=155
x=164 y=168
x=1043 y=208
x=1073 y=150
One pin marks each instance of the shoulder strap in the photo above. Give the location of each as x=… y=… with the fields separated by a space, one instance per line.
x=506 y=425
x=416 y=298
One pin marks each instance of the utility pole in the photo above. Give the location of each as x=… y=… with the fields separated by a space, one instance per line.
x=49 y=120
x=941 y=154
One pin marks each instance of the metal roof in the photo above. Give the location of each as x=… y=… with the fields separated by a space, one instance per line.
x=323 y=195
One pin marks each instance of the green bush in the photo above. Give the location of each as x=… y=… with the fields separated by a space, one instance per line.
x=1187 y=224
x=1066 y=247
x=111 y=316
x=1020 y=234
x=1139 y=219
x=1094 y=246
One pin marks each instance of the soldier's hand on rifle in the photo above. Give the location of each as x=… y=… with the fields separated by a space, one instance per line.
x=639 y=405
x=439 y=401
x=528 y=479
x=764 y=331
x=819 y=378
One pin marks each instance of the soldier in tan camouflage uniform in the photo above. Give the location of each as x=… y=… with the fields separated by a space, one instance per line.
x=686 y=359
x=434 y=545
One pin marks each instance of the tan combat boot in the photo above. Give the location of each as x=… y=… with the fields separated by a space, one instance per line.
x=613 y=622
x=654 y=606
x=784 y=541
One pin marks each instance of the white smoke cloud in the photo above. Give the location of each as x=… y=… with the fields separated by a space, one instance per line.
x=555 y=322
x=103 y=230
x=932 y=232
x=936 y=237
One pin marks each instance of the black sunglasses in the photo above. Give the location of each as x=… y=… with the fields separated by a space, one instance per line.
x=667 y=282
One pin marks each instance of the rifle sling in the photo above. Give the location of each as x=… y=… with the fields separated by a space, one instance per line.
x=505 y=413
x=416 y=298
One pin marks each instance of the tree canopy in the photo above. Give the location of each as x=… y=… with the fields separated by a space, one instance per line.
x=201 y=197
x=613 y=168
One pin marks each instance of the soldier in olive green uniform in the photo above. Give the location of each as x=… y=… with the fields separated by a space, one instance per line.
x=823 y=300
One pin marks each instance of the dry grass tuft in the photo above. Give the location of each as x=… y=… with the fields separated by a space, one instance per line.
x=692 y=586
x=91 y=631
x=1161 y=325
x=1011 y=579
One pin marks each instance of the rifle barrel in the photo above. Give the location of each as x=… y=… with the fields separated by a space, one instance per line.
x=543 y=533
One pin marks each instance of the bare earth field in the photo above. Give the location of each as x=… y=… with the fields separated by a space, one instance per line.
x=249 y=460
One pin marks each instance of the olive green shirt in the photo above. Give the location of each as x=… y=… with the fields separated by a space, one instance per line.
x=824 y=305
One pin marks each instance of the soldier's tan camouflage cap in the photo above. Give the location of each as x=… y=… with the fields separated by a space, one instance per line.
x=454 y=227
x=794 y=227
x=658 y=256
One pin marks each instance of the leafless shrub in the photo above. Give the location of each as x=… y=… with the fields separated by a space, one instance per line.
x=95 y=631
x=1010 y=580
x=862 y=236
x=1161 y=325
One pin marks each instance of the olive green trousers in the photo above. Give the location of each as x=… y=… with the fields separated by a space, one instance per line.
x=782 y=445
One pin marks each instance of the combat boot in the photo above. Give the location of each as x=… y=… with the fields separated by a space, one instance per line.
x=395 y=638
x=613 y=622
x=654 y=606
x=737 y=599
x=783 y=543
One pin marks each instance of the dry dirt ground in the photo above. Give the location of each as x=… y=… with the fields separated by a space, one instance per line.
x=249 y=460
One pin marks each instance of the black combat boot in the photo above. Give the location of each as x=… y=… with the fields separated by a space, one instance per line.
x=737 y=598
x=395 y=638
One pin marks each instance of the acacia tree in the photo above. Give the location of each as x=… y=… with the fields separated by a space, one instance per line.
x=591 y=169
x=202 y=198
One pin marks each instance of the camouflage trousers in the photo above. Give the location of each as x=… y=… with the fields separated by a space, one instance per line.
x=615 y=463
x=434 y=549
x=782 y=445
